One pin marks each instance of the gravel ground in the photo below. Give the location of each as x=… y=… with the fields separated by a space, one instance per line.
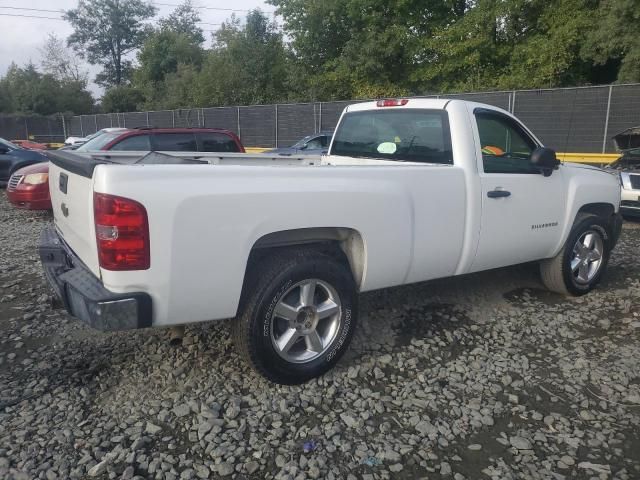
x=485 y=376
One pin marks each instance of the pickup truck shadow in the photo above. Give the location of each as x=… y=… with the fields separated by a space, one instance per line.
x=394 y=317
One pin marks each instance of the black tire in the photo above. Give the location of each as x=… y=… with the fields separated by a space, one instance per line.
x=267 y=284
x=556 y=272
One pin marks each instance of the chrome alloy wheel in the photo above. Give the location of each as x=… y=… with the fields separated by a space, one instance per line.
x=587 y=256
x=306 y=321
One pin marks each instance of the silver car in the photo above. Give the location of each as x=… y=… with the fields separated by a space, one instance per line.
x=628 y=166
x=630 y=179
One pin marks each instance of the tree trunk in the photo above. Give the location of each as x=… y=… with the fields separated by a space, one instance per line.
x=118 y=64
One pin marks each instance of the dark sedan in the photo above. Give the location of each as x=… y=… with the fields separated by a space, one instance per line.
x=13 y=157
x=316 y=144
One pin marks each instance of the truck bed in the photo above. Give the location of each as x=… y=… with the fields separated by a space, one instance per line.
x=83 y=163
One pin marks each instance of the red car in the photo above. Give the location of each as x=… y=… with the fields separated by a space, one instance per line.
x=29 y=145
x=29 y=187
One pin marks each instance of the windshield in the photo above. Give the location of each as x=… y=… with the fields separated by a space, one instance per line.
x=412 y=135
x=8 y=144
x=99 y=141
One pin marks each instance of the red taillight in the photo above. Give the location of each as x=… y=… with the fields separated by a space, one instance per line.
x=392 y=102
x=122 y=233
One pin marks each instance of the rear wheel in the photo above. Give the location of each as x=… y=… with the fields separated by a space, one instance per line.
x=580 y=264
x=298 y=315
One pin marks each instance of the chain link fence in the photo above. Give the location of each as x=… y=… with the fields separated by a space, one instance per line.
x=581 y=119
x=37 y=128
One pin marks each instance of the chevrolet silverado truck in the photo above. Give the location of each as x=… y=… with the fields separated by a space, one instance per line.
x=411 y=190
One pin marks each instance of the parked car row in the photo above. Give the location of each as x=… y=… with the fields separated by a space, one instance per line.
x=28 y=188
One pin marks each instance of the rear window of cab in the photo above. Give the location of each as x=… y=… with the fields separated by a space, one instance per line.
x=405 y=135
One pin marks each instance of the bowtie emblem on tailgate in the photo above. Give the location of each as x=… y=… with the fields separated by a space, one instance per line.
x=62 y=182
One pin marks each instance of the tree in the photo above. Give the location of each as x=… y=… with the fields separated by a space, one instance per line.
x=503 y=45
x=184 y=20
x=58 y=61
x=247 y=65
x=615 y=42
x=355 y=48
x=29 y=91
x=162 y=54
x=172 y=49
x=548 y=53
x=164 y=51
x=105 y=31
x=123 y=98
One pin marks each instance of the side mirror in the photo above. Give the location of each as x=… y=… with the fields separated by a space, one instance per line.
x=4 y=149
x=545 y=159
x=304 y=147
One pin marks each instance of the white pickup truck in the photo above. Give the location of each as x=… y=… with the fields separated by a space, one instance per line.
x=411 y=190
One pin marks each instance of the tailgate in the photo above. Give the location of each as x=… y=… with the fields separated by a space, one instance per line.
x=72 y=200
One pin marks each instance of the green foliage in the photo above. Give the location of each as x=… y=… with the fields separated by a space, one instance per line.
x=105 y=31
x=247 y=64
x=25 y=90
x=165 y=53
x=184 y=20
x=353 y=48
x=356 y=47
x=123 y=98
x=330 y=49
x=515 y=44
x=170 y=59
x=616 y=38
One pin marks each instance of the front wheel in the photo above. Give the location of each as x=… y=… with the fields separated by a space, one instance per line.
x=579 y=266
x=298 y=315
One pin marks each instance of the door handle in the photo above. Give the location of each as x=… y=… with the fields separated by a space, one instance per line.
x=498 y=194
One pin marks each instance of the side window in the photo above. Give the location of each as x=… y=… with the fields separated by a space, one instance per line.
x=136 y=143
x=175 y=142
x=216 y=142
x=506 y=148
x=314 y=144
x=325 y=141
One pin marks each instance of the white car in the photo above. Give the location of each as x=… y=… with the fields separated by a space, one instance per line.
x=77 y=141
x=411 y=190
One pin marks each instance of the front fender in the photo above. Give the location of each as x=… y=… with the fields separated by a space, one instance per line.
x=587 y=187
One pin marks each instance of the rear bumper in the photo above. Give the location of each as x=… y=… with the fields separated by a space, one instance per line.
x=83 y=294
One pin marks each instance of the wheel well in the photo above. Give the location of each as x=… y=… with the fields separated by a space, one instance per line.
x=604 y=210
x=344 y=244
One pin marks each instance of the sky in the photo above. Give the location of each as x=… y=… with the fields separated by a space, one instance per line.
x=21 y=37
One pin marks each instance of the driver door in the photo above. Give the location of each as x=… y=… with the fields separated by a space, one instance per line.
x=522 y=210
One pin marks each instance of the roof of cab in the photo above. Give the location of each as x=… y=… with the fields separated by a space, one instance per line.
x=431 y=103
x=434 y=103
